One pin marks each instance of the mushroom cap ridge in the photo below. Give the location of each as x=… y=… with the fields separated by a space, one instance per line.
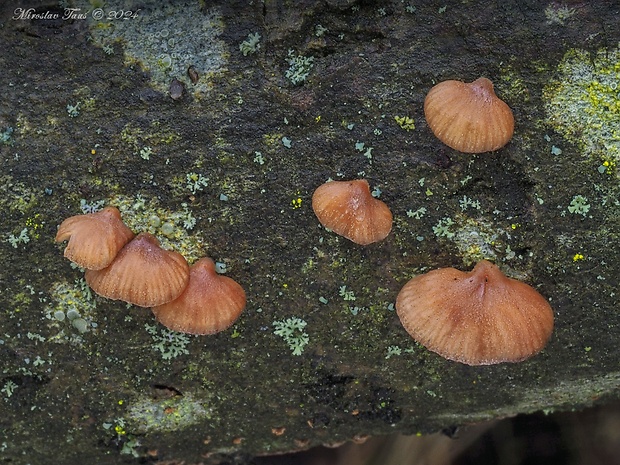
x=142 y=274
x=468 y=117
x=479 y=317
x=209 y=304
x=349 y=209
x=94 y=238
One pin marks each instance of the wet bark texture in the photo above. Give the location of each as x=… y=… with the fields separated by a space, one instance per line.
x=88 y=380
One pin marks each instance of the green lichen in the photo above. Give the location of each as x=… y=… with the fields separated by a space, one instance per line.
x=5 y=136
x=292 y=331
x=299 y=68
x=250 y=45
x=170 y=344
x=15 y=196
x=21 y=238
x=583 y=104
x=170 y=414
x=476 y=238
x=174 y=229
x=70 y=312
x=405 y=122
x=579 y=205
x=511 y=86
x=558 y=14
x=141 y=142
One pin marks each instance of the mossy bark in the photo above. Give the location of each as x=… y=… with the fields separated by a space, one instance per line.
x=126 y=390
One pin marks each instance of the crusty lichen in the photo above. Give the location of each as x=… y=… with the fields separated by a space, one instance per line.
x=583 y=103
x=154 y=39
x=171 y=414
x=174 y=229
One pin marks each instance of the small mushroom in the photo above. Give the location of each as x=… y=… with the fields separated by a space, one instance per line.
x=210 y=303
x=468 y=117
x=349 y=209
x=142 y=274
x=479 y=317
x=95 y=238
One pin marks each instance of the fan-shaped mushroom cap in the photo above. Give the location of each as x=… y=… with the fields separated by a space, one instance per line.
x=468 y=117
x=479 y=318
x=349 y=209
x=210 y=303
x=142 y=274
x=95 y=238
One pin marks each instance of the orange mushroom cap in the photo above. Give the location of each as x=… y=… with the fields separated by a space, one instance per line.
x=479 y=317
x=142 y=274
x=94 y=238
x=349 y=209
x=469 y=117
x=209 y=304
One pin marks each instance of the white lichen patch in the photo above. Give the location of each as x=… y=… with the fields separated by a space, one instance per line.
x=166 y=39
x=174 y=229
x=583 y=103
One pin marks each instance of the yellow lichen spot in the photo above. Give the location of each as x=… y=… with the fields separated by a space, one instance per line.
x=607 y=167
x=119 y=430
x=121 y=402
x=296 y=203
x=405 y=122
x=285 y=285
x=93 y=152
x=34 y=224
x=515 y=225
x=271 y=139
x=578 y=257
x=317 y=119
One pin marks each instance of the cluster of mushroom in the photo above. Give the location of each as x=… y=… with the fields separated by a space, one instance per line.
x=478 y=318
x=135 y=269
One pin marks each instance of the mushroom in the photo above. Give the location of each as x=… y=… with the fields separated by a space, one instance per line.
x=479 y=317
x=94 y=238
x=142 y=274
x=209 y=304
x=468 y=117
x=349 y=209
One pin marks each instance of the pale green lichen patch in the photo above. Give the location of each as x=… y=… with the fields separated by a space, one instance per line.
x=558 y=14
x=170 y=344
x=15 y=196
x=292 y=330
x=174 y=229
x=476 y=239
x=159 y=38
x=172 y=414
x=71 y=311
x=583 y=104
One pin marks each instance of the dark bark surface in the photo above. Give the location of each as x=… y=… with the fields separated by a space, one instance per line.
x=86 y=119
